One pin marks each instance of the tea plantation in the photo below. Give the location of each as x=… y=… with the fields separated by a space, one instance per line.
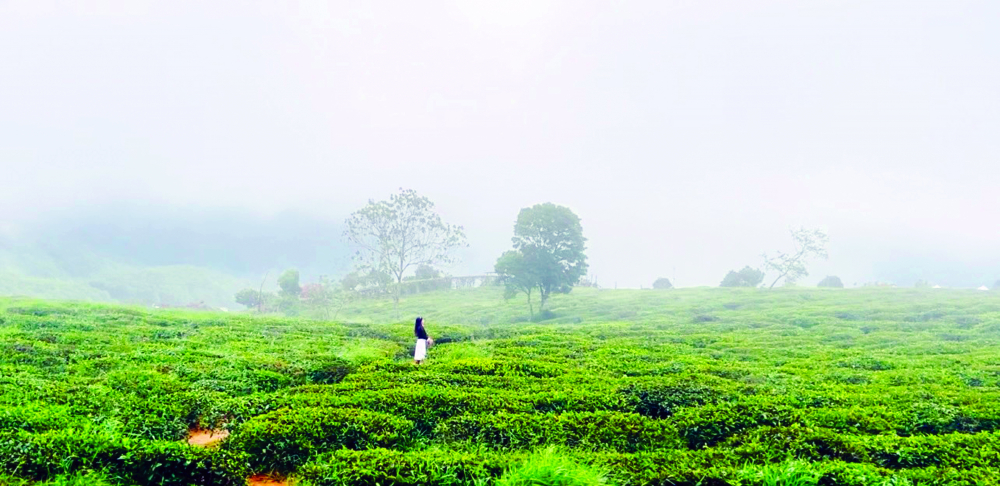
x=677 y=387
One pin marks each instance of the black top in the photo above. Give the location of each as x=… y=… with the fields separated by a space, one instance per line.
x=419 y=330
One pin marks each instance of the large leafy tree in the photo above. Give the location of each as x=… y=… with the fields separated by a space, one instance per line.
x=808 y=244
x=548 y=255
x=401 y=233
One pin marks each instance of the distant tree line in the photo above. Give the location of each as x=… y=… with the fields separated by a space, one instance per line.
x=400 y=241
x=317 y=299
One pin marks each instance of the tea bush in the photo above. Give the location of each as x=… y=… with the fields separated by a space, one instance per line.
x=724 y=387
x=46 y=455
x=433 y=467
x=591 y=430
x=286 y=438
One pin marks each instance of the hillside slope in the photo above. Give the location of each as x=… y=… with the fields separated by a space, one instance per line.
x=681 y=387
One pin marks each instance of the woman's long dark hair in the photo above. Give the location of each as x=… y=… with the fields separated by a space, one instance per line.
x=419 y=324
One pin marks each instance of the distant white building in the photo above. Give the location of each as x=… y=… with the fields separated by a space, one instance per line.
x=936 y=287
x=984 y=288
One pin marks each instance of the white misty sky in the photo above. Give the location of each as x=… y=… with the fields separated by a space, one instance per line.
x=688 y=135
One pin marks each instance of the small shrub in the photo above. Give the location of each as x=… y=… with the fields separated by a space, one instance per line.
x=793 y=473
x=490 y=367
x=804 y=323
x=866 y=363
x=381 y=466
x=146 y=463
x=35 y=418
x=662 y=401
x=330 y=370
x=552 y=468
x=706 y=426
x=928 y=418
x=671 y=468
x=426 y=407
x=925 y=317
x=747 y=277
x=618 y=431
x=86 y=478
x=580 y=401
x=831 y=281
x=286 y=438
x=805 y=443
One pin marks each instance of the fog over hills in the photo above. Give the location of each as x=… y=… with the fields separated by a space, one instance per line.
x=688 y=137
x=164 y=255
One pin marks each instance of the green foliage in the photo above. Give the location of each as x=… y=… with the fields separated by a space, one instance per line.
x=426 y=272
x=517 y=276
x=48 y=455
x=548 y=253
x=432 y=280
x=425 y=406
x=662 y=283
x=433 y=467
x=551 y=467
x=662 y=400
x=786 y=474
x=351 y=281
x=288 y=281
x=831 y=281
x=708 y=425
x=330 y=370
x=747 y=277
x=286 y=438
x=248 y=298
x=617 y=431
x=858 y=387
x=84 y=478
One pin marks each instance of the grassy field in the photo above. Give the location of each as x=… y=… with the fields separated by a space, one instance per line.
x=680 y=387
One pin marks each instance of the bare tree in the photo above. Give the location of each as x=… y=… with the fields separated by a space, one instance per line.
x=809 y=243
x=401 y=233
x=260 y=294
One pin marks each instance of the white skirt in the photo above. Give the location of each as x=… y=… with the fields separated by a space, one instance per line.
x=420 y=353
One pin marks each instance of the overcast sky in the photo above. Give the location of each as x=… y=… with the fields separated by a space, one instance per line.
x=688 y=136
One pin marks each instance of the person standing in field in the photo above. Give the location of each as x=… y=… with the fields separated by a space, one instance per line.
x=423 y=340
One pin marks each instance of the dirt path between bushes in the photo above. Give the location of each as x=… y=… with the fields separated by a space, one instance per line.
x=212 y=438
x=266 y=480
x=206 y=438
